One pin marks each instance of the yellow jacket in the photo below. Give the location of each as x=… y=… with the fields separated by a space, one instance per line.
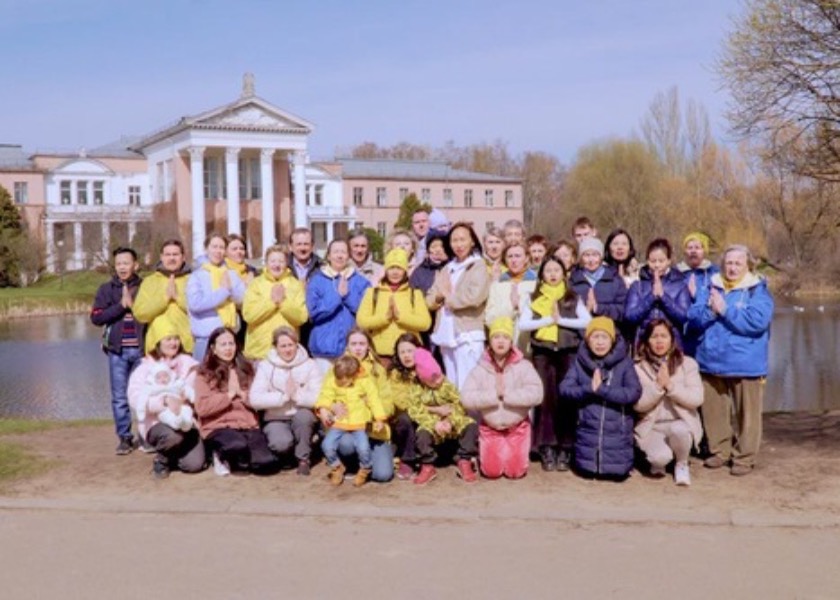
x=374 y=315
x=264 y=316
x=361 y=399
x=152 y=304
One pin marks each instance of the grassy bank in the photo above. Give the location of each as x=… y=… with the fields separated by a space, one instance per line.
x=52 y=295
x=16 y=461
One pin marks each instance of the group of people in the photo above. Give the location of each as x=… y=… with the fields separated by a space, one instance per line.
x=486 y=352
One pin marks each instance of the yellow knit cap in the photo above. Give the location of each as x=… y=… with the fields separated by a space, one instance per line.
x=696 y=236
x=604 y=324
x=396 y=258
x=502 y=325
x=159 y=329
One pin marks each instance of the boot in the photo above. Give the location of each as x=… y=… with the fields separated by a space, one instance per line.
x=426 y=474
x=361 y=478
x=466 y=471
x=336 y=475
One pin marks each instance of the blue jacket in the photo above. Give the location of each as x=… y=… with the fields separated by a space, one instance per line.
x=332 y=316
x=702 y=279
x=604 y=436
x=736 y=343
x=641 y=306
x=610 y=292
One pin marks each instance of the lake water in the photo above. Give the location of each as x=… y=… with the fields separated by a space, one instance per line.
x=53 y=367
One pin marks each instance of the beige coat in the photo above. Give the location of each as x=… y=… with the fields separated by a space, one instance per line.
x=468 y=299
x=685 y=395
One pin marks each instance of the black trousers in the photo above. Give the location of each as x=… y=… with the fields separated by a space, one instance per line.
x=467 y=445
x=243 y=450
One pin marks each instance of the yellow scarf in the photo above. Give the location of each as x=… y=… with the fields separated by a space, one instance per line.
x=731 y=285
x=227 y=309
x=544 y=307
x=240 y=268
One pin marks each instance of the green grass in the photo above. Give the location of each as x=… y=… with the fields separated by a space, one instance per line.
x=71 y=285
x=13 y=426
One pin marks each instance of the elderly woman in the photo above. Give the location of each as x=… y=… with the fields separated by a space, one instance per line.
x=333 y=296
x=512 y=292
x=733 y=315
x=227 y=422
x=175 y=447
x=285 y=388
x=213 y=293
x=274 y=299
x=459 y=295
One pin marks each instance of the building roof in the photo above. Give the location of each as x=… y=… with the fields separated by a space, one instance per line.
x=413 y=170
x=117 y=149
x=12 y=157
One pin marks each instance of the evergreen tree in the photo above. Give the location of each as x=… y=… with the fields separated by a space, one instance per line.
x=11 y=240
x=409 y=206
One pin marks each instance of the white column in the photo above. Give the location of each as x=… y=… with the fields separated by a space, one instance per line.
x=197 y=180
x=330 y=231
x=166 y=179
x=232 y=168
x=78 y=253
x=310 y=195
x=300 y=188
x=106 y=240
x=132 y=230
x=50 y=237
x=269 y=228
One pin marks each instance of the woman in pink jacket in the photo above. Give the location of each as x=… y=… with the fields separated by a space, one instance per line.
x=503 y=387
x=175 y=448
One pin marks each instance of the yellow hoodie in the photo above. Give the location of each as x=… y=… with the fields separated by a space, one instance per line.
x=361 y=399
x=264 y=316
x=374 y=315
x=152 y=304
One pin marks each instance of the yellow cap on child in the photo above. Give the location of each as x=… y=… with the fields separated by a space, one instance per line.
x=396 y=258
x=503 y=325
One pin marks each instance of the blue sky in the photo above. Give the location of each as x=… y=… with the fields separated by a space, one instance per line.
x=548 y=75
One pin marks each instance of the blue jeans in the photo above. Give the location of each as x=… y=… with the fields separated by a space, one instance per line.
x=120 y=367
x=382 y=458
x=359 y=439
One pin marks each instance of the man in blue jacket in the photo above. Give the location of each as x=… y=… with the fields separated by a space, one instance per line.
x=733 y=317
x=122 y=340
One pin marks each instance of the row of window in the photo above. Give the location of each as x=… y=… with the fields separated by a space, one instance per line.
x=215 y=178
x=382 y=227
x=81 y=191
x=426 y=196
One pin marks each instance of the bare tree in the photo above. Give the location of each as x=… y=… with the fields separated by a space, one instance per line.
x=782 y=66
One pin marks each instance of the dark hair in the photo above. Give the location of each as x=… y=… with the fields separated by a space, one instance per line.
x=210 y=237
x=155 y=352
x=346 y=366
x=231 y=237
x=299 y=231
x=660 y=244
x=173 y=242
x=332 y=243
x=537 y=239
x=608 y=258
x=435 y=235
x=216 y=372
x=675 y=356
x=477 y=248
x=124 y=250
x=516 y=245
x=570 y=298
x=582 y=222
x=371 y=350
x=404 y=373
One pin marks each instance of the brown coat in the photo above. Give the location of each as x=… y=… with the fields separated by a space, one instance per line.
x=215 y=410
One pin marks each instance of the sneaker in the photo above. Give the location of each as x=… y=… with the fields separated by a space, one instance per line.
x=160 y=470
x=426 y=474
x=125 y=446
x=146 y=447
x=715 y=462
x=466 y=471
x=682 y=476
x=303 y=467
x=361 y=478
x=220 y=467
x=740 y=470
x=564 y=460
x=405 y=472
x=336 y=474
x=548 y=458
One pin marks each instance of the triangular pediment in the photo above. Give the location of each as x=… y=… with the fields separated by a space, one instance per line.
x=82 y=166
x=251 y=114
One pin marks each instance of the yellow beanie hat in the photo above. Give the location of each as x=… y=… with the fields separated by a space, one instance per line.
x=604 y=324
x=503 y=325
x=396 y=258
x=159 y=329
x=696 y=236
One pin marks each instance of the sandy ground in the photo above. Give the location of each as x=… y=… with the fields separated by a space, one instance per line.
x=105 y=527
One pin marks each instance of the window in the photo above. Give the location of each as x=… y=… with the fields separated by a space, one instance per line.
x=489 y=225
x=21 y=192
x=509 y=198
x=381 y=196
x=426 y=195
x=447 y=197
x=250 y=184
x=403 y=193
x=488 y=198
x=81 y=192
x=382 y=228
x=214 y=178
x=99 y=192
x=319 y=195
x=468 y=198
x=66 y=192
x=134 y=195
x=357 y=196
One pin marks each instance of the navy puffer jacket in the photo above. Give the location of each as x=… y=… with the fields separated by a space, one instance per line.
x=610 y=292
x=604 y=436
x=641 y=307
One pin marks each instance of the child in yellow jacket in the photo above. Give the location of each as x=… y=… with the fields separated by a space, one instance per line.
x=347 y=404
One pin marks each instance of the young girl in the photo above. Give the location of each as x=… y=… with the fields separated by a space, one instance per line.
x=401 y=377
x=348 y=403
x=435 y=406
x=604 y=386
x=555 y=316
x=669 y=425
x=503 y=387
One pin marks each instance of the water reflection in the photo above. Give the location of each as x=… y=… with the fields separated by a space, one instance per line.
x=53 y=367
